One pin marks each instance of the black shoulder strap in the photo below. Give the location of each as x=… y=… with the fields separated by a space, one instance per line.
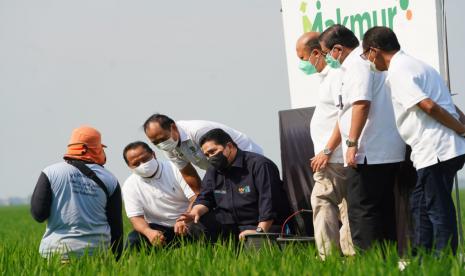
x=81 y=166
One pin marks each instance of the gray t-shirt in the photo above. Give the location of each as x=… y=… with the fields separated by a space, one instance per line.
x=77 y=221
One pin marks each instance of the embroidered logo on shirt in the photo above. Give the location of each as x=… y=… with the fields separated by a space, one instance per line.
x=244 y=189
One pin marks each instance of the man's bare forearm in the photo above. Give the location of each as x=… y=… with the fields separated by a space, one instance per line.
x=191 y=177
x=441 y=115
x=191 y=203
x=360 y=112
x=140 y=225
x=335 y=138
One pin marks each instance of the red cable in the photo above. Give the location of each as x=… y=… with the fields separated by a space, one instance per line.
x=288 y=218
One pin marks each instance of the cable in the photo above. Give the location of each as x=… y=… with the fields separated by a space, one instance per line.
x=291 y=216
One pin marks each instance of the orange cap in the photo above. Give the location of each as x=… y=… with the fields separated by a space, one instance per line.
x=85 y=144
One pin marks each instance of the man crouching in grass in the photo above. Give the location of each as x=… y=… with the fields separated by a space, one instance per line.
x=80 y=200
x=155 y=195
x=241 y=190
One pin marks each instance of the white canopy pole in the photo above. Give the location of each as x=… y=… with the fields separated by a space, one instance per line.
x=447 y=76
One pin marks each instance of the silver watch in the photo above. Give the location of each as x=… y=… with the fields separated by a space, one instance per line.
x=350 y=143
x=327 y=151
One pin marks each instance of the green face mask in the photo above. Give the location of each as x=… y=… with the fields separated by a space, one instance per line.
x=332 y=62
x=307 y=67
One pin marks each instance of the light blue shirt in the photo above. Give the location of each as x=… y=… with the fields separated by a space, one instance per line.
x=77 y=221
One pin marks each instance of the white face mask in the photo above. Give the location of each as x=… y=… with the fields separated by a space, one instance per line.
x=147 y=169
x=167 y=145
x=373 y=67
x=372 y=64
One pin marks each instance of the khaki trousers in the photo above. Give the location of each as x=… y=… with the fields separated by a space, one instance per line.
x=330 y=214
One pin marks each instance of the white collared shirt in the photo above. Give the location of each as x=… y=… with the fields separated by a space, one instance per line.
x=190 y=152
x=324 y=118
x=412 y=81
x=160 y=199
x=380 y=142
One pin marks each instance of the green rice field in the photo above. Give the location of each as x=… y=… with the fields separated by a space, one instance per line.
x=20 y=236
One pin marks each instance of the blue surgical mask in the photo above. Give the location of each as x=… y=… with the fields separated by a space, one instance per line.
x=332 y=62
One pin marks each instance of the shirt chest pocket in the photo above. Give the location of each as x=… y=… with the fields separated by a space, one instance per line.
x=220 y=195
x=194 y=152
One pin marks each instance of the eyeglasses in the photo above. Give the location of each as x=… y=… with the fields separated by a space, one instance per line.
x=339 y=48
x=364 y=54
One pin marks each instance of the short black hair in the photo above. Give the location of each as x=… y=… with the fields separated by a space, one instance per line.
x=338 y=34
x=218 y=136
x=135 y=145
x=382 y=38
x=164 y=121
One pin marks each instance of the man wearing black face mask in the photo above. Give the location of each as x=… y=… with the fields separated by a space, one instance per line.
x=242 y=189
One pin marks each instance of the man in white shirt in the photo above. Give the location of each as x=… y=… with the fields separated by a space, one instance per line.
x=371 y=143
x=433 y=126
x=180 y=142
x=330 y=219
x=155 y=195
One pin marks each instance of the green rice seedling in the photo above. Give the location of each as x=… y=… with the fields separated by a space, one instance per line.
x=20 y=237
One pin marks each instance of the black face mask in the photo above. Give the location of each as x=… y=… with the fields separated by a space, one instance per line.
x=219 y=161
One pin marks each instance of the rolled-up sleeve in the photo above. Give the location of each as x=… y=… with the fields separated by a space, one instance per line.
x=206 y=196
x=268 y=187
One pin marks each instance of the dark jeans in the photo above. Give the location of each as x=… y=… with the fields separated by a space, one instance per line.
x=433 y=211
x=371 y=205
x=137 y=240
x=215 y=230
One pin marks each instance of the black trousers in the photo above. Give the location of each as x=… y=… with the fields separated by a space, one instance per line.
x=137 y=240
x=370 y=200
x=214 y=229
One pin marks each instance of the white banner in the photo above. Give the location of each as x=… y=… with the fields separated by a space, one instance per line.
x=417 y=24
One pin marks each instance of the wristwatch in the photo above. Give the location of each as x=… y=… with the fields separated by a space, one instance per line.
x=327 y=151
x=350 y=143
x=259 y=230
